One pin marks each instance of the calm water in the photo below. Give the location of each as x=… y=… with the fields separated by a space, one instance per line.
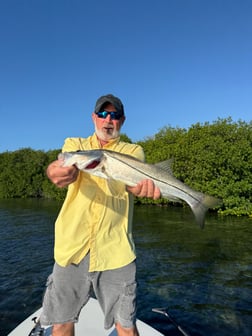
x=202 y=277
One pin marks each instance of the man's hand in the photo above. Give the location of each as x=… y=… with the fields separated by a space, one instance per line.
x=145 y=188
x=61 y=176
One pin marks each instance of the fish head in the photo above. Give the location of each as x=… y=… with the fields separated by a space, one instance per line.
x=89 y=160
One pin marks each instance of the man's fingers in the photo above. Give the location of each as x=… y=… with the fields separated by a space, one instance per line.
x=61 y=176
x=147 y=188
x=157 y=193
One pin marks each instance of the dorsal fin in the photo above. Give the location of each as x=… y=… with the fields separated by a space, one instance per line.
x=165 y=165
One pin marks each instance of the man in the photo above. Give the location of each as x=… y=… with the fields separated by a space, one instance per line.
x=93 y=233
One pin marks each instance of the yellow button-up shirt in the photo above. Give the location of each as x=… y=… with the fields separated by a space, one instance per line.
x=96 y=216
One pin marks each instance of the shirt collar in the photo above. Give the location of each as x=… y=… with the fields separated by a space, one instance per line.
x=96 y=143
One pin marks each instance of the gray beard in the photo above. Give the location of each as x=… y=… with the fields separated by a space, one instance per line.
x=107 y=136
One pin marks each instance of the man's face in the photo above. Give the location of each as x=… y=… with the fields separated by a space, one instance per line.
x=107 y=128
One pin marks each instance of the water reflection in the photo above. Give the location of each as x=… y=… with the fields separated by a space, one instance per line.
x=202 y=276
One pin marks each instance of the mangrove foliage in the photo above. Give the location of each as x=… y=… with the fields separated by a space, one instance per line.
x=213 y=158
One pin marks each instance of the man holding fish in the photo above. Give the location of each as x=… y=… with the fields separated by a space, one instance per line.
x=94 y=248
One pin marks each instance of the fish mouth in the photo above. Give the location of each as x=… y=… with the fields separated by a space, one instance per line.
x=93 y=164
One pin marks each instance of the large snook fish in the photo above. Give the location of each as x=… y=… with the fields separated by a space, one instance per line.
x=113 y=165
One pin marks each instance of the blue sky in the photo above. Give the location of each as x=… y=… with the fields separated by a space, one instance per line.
x=172 y=62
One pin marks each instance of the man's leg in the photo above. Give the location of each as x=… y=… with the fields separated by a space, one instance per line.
x=126 y=331
x=66 y=329
x=68 y=290
x=116 y=293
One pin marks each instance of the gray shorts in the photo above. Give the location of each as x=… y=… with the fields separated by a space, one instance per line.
x=69 y=289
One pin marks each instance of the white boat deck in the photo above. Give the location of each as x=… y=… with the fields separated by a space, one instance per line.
x=90 y=324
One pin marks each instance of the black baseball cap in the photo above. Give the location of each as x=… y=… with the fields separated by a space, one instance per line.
x=109 y=98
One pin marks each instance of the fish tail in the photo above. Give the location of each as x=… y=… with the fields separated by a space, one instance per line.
x=200 y=208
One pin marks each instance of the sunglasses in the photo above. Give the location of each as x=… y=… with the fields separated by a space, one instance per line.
x=113 y=115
